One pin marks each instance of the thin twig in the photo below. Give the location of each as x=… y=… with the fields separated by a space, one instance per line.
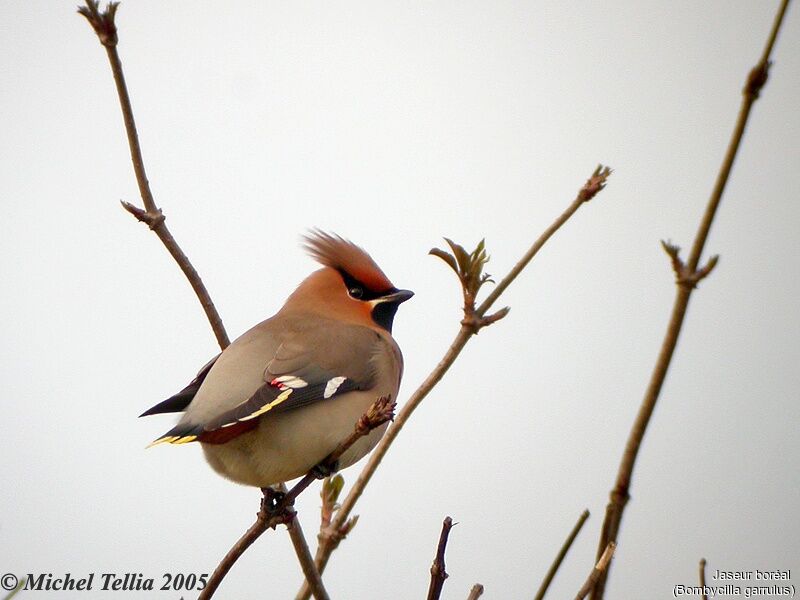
x=590 y=189
x=103 y=23
x=244 y=542
x=703 y=578
x=20 y=584
x=307 y=561
x=104 y=26
x=687 y=276
x=600 y=568
x=330 y=537
x=548 y=578
x=438 y=572
x=271 y=516
x=476 y=592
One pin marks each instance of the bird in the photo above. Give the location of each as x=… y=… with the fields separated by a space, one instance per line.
x=276 y=402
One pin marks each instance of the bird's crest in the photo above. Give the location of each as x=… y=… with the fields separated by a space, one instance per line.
x=338 y=253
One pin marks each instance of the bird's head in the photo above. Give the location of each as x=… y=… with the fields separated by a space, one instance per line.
x=350 y=286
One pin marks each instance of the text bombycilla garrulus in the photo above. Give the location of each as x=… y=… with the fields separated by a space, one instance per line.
x=282 y=396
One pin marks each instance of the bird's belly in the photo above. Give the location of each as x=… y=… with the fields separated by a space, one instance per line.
x=287 y=445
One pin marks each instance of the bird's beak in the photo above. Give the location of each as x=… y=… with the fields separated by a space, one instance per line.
x=397 y=297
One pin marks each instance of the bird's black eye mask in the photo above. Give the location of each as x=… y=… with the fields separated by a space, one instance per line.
x=382 y=313
x=359 y=291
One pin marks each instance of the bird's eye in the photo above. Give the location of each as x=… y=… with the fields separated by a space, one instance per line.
x=356 y=292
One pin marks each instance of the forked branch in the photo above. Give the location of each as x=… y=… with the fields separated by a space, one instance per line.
x=438 y=572
x=331 y=534
x=687 y=276
x=468 y=267
x=104 y=25
x=600 y=568
x=702 y=568
x=334 y=528
x=276 y=509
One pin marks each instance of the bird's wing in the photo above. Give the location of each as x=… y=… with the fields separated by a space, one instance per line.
x=312 y=366
x=182 y=399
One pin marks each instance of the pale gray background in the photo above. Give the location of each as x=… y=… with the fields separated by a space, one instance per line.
x=395 y=124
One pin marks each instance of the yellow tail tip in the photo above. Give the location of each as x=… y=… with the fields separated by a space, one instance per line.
x=172 y=439
x=164 y=440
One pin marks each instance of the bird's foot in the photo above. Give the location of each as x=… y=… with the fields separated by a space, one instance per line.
x=274 y=509
x=272 y=500
x=323 y=470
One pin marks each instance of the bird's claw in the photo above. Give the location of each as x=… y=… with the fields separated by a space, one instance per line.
x=274 y=508
x=323 y=470
x=272 y=500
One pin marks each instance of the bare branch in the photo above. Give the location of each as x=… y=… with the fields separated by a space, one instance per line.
x=21 y=581
x=328 y=543
x=595 y=184
x=276 y=507
x=105 y=27
x=244 y=542
x=683 y=275
x=674 y=254
x=706 y=270
x=151 y=219
x=476 y=592
x=101 y=21
x=548 y=578
x=687 y=276
x=306 y=560
x=703 y=578
x=600 y=568
x=438 y=573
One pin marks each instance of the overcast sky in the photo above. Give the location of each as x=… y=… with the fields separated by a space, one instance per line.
x=395 y=124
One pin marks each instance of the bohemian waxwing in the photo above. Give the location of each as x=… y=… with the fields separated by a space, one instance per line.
x=282 y=396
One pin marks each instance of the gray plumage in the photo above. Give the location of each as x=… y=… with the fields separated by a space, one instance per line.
x=283 y=395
